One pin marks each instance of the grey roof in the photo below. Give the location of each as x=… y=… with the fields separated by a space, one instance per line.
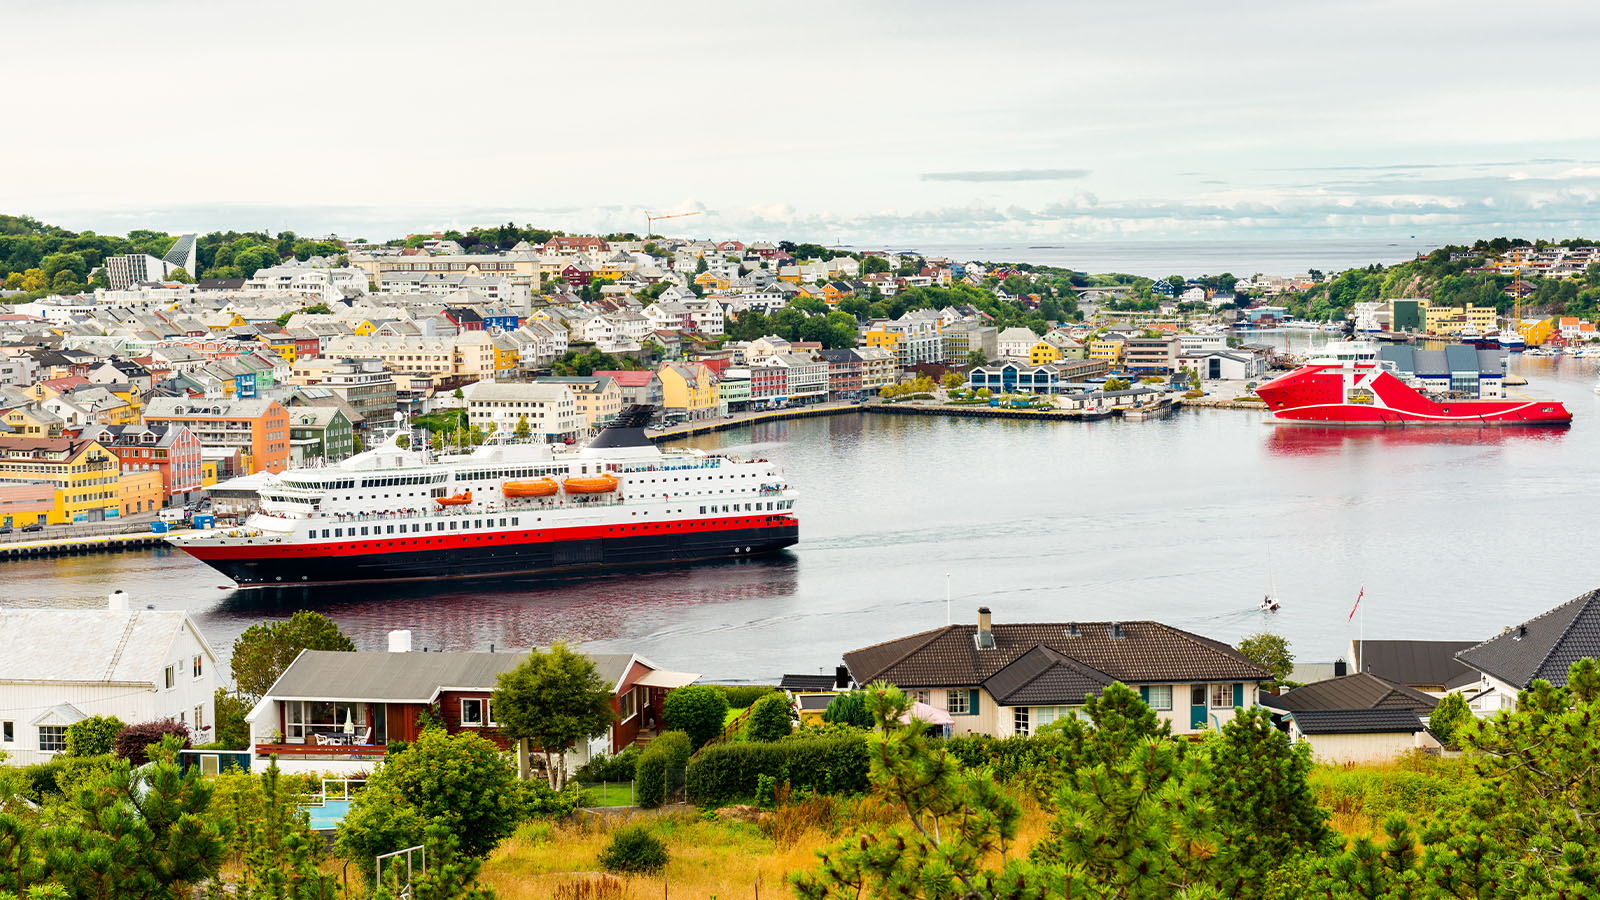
x=408 y=677
x=1357 y=721
x=1414 y=663
x=1544 y=647
x=1043 y=677
x=807 y=682
x=86 y=645
x=1359 y=691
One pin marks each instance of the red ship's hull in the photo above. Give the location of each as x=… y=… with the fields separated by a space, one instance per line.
x=1333 y=394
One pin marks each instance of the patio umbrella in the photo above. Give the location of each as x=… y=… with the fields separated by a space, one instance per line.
x=932 y=715
x=349 y=723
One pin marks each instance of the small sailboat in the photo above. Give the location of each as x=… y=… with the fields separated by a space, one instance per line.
x=1270 y=603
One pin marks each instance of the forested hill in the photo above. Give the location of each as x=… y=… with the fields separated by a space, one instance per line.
x=1450 y=276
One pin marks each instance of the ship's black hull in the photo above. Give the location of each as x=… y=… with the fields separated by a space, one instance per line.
x=502 y=560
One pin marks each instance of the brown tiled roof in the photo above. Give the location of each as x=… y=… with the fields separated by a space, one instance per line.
x=1362 y=690
x=1147 y=652
x=1043 y=677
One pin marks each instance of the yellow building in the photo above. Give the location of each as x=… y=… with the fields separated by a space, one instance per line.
x=283 y=345
x=1108 y=350
x=1042 y=353
x=365 y=329
x=84 y=473
x=140 y=492
x=689 y=390
x=208 y=472
x=887 y=340
x=30 y=422
x=506 y=358
x=1452 y=319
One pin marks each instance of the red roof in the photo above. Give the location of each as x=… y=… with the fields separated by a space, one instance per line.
x=628 y=378
x=71 y=381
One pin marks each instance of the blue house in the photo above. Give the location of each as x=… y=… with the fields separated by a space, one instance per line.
x=1015 y=378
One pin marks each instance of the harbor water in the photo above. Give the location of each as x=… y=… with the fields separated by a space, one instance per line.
x=1453 y=533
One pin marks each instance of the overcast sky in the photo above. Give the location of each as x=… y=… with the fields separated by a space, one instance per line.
x=894 y=123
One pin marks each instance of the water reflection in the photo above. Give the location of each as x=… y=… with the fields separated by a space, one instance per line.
x=517 y=612
x=1303 y=440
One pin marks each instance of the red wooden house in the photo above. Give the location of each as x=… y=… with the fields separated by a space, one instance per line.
x=337 y=712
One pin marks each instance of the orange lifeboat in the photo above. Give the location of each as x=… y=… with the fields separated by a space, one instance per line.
x=598 y=484
x=542 y=487
x=456 y=500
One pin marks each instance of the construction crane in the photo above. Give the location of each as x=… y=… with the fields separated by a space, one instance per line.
x=1516 y=288
x=651 y=219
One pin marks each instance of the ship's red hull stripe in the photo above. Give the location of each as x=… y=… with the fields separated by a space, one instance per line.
x=426 y=542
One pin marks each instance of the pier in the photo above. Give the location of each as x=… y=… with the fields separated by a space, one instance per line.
x=78 y=546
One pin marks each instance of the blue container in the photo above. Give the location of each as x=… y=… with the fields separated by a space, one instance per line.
x=158 y=527
x=205 y=521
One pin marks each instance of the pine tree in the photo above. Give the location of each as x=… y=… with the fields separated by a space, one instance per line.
x=955 y=823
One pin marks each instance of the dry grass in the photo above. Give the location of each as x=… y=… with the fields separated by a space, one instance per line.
x=710 y=858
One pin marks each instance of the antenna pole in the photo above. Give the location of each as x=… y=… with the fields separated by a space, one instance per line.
x=947 y=598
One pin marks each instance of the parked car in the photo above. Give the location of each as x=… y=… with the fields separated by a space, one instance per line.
x=32 y=527
x=5 y=529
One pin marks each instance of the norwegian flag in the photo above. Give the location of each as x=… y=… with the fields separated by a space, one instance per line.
x=1359 y=595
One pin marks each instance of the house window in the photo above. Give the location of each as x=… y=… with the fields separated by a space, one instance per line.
x=199 y=718
x=956 y=703
x=172 y=676
x=472 y=713
x=630 y=706
x=1160 y=696
x=1019 y=720
x=52 y=738
x=1222 y=696
x=1197 y=695
x=921 y=695
x=307 y=717
x=8 y=732
x=199 y=667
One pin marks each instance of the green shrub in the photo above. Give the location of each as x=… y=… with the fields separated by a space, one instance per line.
x=1445 y=722
x=536 y=799
x=60 y=776
x=94 y=736
x=725 y=772
x=634 y=849
x=669 y=751
x=849 y=709
x=697 y=710
x=743 y=695
x=609 y=768
x=771 y=719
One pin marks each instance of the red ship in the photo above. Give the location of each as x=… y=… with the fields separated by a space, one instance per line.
x=1365 y=392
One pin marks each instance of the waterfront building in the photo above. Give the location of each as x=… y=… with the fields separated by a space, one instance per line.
x=599 y=397
x=1459 y=370
x=1108 y=350
x=689 y=391
x=1010 y=679
x=1043 y=352
x=60 y=666
x=319 y=433
x=806 y=376
x=769 y=384
x=877 y=368
x=844 y=373
x=302 y=720
x=171 y=450
x=550 y=410
x=1223 y=365
x=1017 y=377
x=82 y=473
x=1542 y=648
x=258 y=428
x=1151 y=356
x=733 y=389
x=1453 y=320
x=638 y=387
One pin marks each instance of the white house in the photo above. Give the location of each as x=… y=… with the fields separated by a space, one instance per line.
x=1216 y=365
x=1544 y=647
x=1016 y=341
x=59 y=666
x=550 y=409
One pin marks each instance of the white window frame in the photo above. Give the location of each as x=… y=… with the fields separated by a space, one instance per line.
x=955 y=702
x=627 y=705
x=483 y=712
x=62 y=741
x=1019 y=720
x=1225 y=691
x=1155 y=692
x=172 y=676
x=198 y=666
x=8 y=732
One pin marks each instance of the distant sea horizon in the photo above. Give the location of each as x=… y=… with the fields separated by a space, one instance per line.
x=1158 y=259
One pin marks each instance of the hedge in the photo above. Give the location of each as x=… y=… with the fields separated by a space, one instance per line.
x=830 y=765
x=1009 y=757
x=59 y=775
x=743 y=695
x=669 y=751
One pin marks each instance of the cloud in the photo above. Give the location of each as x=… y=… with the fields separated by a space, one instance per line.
x=1008 y=175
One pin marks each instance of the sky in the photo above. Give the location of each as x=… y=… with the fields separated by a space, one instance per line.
x=865 y=123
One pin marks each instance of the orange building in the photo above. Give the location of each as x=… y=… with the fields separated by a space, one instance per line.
x=257 y=427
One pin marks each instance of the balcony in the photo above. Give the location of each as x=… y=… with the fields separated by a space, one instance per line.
x=322 y=751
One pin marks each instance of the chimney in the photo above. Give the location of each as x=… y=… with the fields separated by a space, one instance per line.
x=400 y=641
x=1340 y=669
x=1115 y=631
x=118 y=600
x=985 y=624
x=1522 y=632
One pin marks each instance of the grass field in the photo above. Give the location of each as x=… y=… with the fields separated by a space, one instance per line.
x=717 y=858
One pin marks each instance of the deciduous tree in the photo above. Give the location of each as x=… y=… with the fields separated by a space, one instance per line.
x=1270 y=652
x=554 y=699
x=265 y=650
